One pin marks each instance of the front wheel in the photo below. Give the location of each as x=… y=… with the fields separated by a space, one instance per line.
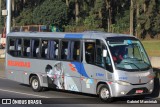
x=104 y=94
x=35 y=84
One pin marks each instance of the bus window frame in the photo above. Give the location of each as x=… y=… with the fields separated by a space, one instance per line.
x=102 y=44
x=40 y=47
x=8 y=50
x=30 y=40
x=81 y=50
x=32 y=56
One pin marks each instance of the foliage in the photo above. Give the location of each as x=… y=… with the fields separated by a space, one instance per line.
x=25 y=18
x=51 y=12
x=80 y=15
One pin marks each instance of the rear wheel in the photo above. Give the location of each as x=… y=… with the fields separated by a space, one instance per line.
x=1 y=47
x=35 y=84
x=104 y=93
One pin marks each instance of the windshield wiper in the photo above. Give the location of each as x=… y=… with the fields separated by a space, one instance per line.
x=144 y=62
x=132 y=64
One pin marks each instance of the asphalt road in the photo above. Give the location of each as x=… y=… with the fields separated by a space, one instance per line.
x=11 y=89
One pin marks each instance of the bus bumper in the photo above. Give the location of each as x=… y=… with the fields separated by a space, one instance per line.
x=118 y=90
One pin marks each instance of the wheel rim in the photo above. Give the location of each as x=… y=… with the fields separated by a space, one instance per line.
x=35 y=84
x=104 y=93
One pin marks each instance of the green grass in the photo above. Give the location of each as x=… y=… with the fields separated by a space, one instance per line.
x=152 y=47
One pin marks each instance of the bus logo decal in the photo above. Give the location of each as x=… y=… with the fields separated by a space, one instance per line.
x=140 y=81
x=19 y=64
x=72 y=67
x=80 y=68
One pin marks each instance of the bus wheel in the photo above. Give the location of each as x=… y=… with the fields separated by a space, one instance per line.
x=35 y=84
x=1 y=47
x=104 y=94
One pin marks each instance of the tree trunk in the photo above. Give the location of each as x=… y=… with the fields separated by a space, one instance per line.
x=100 y=13
x=109 y=18
x=137 y=16
x=13 y=12
x=144 y=7
x=131 y=17
x=67 y=3
x=77 y=11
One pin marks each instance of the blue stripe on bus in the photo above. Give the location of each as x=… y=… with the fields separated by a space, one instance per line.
x=80 y=68
x=73 y=36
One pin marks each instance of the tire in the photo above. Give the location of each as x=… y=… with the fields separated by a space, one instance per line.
x=1 y=47
x=35 y=84
x=141 y=97
x=104 y=94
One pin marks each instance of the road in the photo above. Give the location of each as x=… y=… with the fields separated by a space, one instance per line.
x=11 y=89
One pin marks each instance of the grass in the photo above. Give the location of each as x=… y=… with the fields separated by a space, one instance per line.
x=152 y=47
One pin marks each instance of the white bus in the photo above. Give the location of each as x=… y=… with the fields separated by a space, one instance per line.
x=105 y=64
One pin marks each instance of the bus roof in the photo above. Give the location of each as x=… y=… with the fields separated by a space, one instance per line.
x=82 y=35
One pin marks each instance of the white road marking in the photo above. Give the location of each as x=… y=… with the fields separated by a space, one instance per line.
x=23 y=93
x=2 y=78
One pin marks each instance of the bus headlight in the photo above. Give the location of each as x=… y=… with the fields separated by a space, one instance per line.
x=123 y=83
x=151 y=81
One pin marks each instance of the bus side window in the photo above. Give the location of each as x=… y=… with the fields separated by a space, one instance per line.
x=11 y=47
x=44 y=52
x=99 y=58
x=35 y=48
x=90 y=52
x=75 y=50
x=54 y=49
x=65 y=50
x=18 y=47
x=27 y=48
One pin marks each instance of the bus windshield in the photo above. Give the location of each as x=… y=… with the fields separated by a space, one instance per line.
x=128 y=54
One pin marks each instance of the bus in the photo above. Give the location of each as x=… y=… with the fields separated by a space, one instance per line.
x=106 y=64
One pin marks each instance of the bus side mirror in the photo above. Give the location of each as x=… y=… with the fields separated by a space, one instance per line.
x=104 y=53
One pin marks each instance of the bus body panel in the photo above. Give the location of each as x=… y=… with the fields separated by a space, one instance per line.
x=77 y=76
x=139 y=82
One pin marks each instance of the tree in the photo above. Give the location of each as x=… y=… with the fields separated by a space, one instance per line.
x=109 y=17
x=131 y=17
x=51 y=12
x=77 y=11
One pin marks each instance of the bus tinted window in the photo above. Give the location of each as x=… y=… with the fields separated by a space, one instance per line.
x=11 y=48
x=14 y=48
x=65 y=50
x=35 y=48
x=44 y=53
x=90 y=52
x=70 y=50
x=18 y=47
x=53 y=49
x=75 y=50
x=27 y=48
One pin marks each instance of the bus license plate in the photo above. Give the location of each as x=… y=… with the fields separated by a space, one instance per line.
x=139 y=91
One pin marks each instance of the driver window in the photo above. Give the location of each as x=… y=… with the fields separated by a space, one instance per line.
x=94 y=55
x=90 y=52
x=107 y=60
x=104 y=62
x=99 y=60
